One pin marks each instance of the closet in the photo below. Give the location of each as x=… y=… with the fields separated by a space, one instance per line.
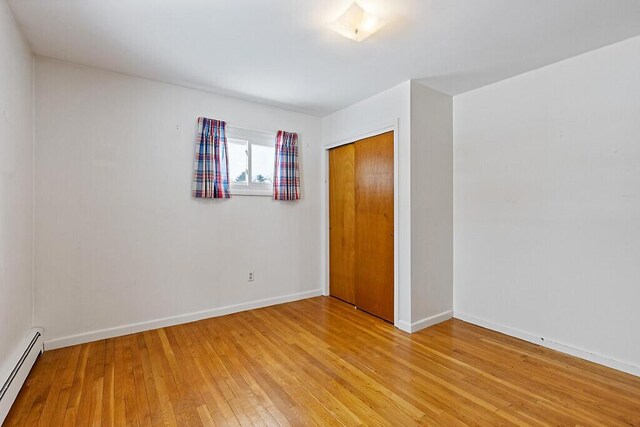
x=361 y=221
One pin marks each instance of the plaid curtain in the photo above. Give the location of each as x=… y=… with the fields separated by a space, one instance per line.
x=211 y=168
x=286 y=178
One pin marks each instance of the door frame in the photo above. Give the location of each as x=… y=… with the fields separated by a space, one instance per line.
x=390 y=127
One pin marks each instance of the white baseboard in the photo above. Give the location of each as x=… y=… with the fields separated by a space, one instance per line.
x=404 y=326
x=14 y=373
x=424 y=323
x=173 y=320
x=563 y=348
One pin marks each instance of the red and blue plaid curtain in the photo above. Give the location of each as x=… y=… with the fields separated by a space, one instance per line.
x=211 y=168
x=286 y=178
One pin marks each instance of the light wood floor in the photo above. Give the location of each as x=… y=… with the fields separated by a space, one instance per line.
x=320 y=361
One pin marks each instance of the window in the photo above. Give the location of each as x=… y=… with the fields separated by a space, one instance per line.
x=251 y=159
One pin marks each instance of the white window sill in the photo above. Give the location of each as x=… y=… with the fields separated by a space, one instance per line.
x=251 y=192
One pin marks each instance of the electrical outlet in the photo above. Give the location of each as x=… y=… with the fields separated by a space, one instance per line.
x=251 y=276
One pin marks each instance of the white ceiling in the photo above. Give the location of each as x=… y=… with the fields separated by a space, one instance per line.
x=282 y=52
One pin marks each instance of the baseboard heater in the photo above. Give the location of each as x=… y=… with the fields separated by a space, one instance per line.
x=17 y=372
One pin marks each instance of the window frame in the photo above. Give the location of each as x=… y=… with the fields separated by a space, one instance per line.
x=252 y=137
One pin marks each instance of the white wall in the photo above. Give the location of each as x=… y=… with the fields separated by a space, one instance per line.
x=431 y=206
x=547 y=204
x=16 y=188
x=390 y=107
x=120 y=240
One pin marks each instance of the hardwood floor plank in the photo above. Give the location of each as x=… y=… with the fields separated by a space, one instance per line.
x=108 y=389
x=320 y=362
x=162 y=381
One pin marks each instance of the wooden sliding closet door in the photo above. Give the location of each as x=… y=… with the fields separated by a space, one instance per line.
x=342 y=227
x=374 y=225
x=361 y=224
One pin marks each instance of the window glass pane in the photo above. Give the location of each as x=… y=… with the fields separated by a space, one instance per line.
x=237 y=161
x=262 y=159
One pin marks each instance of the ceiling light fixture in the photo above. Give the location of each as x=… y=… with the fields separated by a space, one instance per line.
x=356 y=24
